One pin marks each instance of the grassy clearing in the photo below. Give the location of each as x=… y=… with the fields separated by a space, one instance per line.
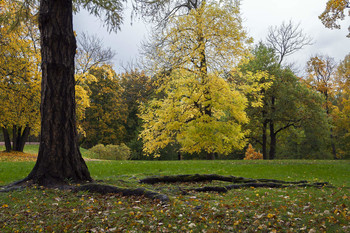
x=262 y=210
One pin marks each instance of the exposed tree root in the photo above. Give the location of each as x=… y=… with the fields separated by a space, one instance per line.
x=104 y=189
x=224 y=189
x=211 y=177
x=91 y=187
x=236 y=182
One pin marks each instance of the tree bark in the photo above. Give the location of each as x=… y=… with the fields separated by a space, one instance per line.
x=179 y=155
x=22 y=138
x=272 y=132
x=59 y=159
x=7 y=139
x=211 y=156
x=273 y=142
x=14 y=137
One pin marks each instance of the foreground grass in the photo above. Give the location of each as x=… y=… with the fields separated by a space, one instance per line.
x=250 y=210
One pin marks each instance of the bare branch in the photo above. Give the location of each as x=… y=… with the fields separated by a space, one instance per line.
x=287 y=39
x=91 y=53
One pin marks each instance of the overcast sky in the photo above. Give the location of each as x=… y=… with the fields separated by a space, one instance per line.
x=258 y=16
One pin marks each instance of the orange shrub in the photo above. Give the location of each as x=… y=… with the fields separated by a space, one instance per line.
x=251 y=154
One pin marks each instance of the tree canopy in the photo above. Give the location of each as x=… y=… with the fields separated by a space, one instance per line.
x=335 y=10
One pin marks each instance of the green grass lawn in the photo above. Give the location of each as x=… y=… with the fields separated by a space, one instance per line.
x=251 y=209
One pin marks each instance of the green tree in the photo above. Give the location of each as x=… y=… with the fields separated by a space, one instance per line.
x=288 y=103
x=137 y=89
x=105 y=118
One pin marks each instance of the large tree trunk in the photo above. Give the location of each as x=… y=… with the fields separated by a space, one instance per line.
x=59 y=159
x=7 y=139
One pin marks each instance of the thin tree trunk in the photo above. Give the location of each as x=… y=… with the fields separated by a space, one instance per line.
x=264 y=140
x=179 y=155
x=7 y=139
x=272 y=132
x=14 y=137
x=18 y=139
x=272 y=141
x=22 y=138
x=59 y=159
x=334 y=150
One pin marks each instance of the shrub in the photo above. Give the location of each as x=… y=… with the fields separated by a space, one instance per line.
x=251 y=154
x=111 y=152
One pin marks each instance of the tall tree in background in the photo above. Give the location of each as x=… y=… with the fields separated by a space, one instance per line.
x=292 y=105
x=91 y=54
x=342 y=113
x=322 y=70
x=137 y=89
x=285 y=40
x=107 y=114
x=335 y=11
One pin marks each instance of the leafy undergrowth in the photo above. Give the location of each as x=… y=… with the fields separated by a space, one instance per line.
x=247 y=210
x=17 y=156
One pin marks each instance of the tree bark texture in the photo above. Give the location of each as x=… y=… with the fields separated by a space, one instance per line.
x=59 y=159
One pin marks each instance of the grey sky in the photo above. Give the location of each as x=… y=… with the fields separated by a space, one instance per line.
x=258 y=15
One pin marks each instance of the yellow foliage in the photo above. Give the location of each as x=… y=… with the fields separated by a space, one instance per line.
x=180 y=117
x=335 y=10
x=19 y=72
x=191 y=58
x=251 y=154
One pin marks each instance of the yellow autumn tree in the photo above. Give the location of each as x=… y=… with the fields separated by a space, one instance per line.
x=341 y=114
x=321 y=76
x=19 y=77
x=335 y=10
x=191 y=57
x=90 y=55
